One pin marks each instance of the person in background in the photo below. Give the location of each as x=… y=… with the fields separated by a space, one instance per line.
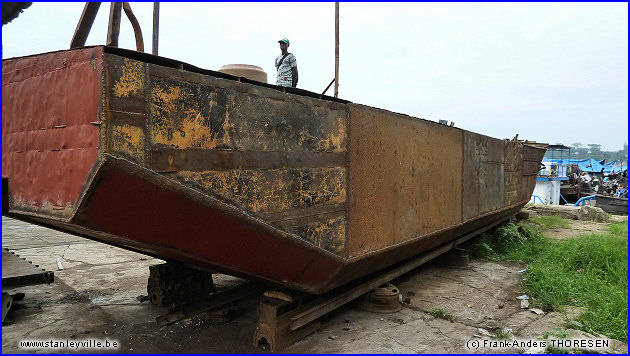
x=574 y=177
x=286 y=65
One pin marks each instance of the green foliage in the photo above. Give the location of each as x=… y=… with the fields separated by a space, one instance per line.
x=579 y=151
x=620 y=228
x=514 y=242
x=440 y=313
x=589 y=271
x=551 y=222
x=558 y=333
x=501 y=335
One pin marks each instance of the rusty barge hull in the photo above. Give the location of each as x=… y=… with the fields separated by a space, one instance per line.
x=277 y=184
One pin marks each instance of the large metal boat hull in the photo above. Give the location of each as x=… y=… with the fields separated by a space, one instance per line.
x=276 y=184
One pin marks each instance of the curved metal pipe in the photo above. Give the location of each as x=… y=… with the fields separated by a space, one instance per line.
x=136 y=26
x=584 y=199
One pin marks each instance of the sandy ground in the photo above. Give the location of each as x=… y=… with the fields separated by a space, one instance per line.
x=578 y=228
x=94 y=298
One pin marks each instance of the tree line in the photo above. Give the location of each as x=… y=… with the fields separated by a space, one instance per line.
x=592 y=150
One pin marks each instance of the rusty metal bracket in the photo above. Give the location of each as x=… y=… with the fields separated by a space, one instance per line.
x=382 y=299
x=18 y=272
x=273 y=327
x=7 y=302
x=212 y=302
x=331 y=83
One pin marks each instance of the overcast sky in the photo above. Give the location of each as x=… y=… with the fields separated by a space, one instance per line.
x=551 y=72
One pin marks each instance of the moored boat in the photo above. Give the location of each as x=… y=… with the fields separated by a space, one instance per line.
x=612 y=204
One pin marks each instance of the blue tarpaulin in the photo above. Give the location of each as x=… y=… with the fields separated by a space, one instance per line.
x=589 y=165
x=611 y=163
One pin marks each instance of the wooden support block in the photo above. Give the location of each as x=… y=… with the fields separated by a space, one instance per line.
x=522 y=215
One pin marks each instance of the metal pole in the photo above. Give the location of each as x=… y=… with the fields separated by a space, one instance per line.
x=156 y=27
x=113 y=29
x=331 y=83
x=336 y=49
x=85 y=24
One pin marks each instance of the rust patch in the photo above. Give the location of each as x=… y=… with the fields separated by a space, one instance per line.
x=336 y=138
x=186 y=113
x=513 y=172
x=271 y=125
x=271 y=190
x=405 y=179
x=329 y=234
x=131 y=81
x=128 y=141
x=484 y=172
x=182 y=113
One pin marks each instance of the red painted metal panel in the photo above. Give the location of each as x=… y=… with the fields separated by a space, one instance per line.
x=145 y=208
x=49 y=144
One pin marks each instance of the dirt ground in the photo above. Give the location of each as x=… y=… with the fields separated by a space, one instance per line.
x=578 y=227
x=94 y=297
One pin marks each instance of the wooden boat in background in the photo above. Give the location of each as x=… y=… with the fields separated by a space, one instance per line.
x=612 y=204
x=276 y=184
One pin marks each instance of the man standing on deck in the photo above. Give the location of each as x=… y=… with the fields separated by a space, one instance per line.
x=286 y=65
